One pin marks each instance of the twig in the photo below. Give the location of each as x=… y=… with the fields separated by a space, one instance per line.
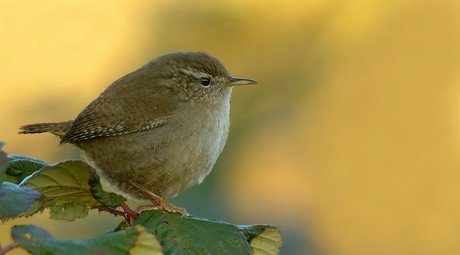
x=127 y=213
x=8 y=248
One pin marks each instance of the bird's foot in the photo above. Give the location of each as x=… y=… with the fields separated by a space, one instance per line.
x=165 y=206
x=158 y=203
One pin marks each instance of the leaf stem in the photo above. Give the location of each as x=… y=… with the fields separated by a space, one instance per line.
x=8 y=248
x=127 y=212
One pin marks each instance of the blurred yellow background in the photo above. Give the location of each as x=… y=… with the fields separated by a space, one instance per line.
x=349 y=144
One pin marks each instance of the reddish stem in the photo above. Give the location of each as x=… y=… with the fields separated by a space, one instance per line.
x=8 y=248
x=127 y=212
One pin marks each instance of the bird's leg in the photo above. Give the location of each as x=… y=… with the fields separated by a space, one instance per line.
x=158 y=202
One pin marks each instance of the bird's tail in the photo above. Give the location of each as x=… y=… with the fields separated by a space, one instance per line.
x=58 y=128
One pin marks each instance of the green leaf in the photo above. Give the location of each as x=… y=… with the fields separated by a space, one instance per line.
x=22 y=166
x=251 y=231
x=15 y=200
x=134 y=240
x=65 y=186
x=4 y=163
x=68 y=211
x=108 y=199
x=191 y=235
x=266 y=242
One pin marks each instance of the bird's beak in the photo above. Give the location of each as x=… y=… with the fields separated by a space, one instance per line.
x=239 y=82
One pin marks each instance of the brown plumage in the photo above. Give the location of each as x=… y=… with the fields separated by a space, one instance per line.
x=160 y=127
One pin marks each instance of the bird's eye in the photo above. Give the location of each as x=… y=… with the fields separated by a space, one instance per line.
x=205 y=81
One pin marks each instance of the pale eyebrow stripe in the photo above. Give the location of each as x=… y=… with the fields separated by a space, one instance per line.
x=194 y=73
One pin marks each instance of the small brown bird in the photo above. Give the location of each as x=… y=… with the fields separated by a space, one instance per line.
x=158 y=130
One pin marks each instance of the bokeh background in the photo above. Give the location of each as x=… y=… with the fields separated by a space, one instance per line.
x=349 y=143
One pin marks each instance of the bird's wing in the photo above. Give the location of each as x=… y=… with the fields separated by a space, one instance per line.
x=125 y=107
x=90 y=127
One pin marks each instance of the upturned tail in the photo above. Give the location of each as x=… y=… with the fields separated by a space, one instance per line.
x=58 y=128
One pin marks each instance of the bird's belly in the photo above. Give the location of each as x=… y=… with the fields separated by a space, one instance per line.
x=161 y=160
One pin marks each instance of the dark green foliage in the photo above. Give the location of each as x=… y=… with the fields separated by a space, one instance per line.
x=70 y=189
